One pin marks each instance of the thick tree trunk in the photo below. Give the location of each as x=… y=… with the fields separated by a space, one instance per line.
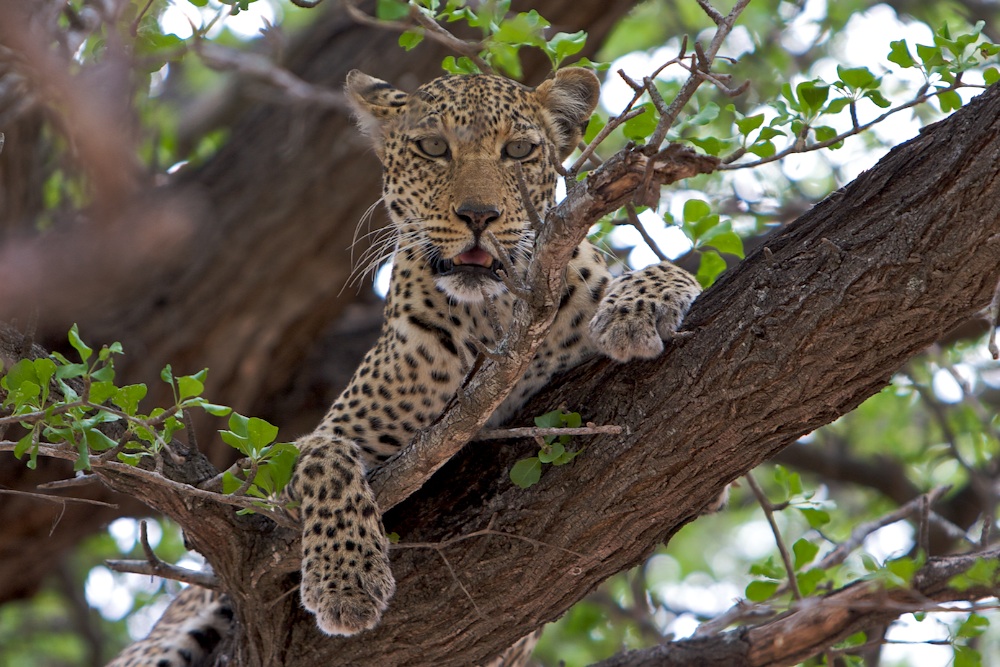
x=254 y=285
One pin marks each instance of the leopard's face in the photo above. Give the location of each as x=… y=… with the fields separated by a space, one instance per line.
x=453 y=154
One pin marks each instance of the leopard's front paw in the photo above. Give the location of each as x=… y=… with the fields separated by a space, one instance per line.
x=626 y=331
x=346 y=579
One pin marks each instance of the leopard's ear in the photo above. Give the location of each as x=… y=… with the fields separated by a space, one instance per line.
x=374 y=101
x=570 y=98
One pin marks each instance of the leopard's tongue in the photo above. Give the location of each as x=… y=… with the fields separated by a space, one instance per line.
x=476 y=256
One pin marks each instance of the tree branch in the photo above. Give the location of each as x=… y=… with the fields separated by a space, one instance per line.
x=817 y=623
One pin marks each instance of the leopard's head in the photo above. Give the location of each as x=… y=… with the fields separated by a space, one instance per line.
x=450 y=154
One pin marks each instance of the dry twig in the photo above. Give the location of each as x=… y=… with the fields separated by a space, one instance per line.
x=155 y=567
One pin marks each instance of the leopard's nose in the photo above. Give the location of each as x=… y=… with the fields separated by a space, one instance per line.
x=478 y=216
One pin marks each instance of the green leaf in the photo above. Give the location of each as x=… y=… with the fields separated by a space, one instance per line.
x=949 y=101
x=555 y=450
x=45 y=370
x=594 y=126
x=705 y=115
x=571 y=419
x=189 y=385
x=523 y=28
x=856 y=77
x=526 y=472
x=991 y=75
x=24 y=444
x=463 y=65
x=167 y=374
x=215 y=410
x=871 y=565
x=238 y=424
x=767 y=568
x=281 y=459
x=812 y=94
x=750 y=123
x=102 y=391
x=127 y=398
x=790 y=481
x=809 y=580
x=82 y=348
x=758 y=591
x=805 y=551
x=725 y=241
x=638 y=128
x=103 y=374
x=26 y=394
x=837 y=105
x=973 y=626
x=930 y=56
x=824 y=132
x=769 y=133
x=391 y=10
x=966 y=656
x=696 y=209
x=97 y=441
x=566 y=457
x=21 y=372
x=879 y=99
x=565 y=44
x=710 y=267
x=817 y=518
x=710 y=145
x=590 y=64
x=236 y=441
x=904 y=568
x=549 y=419
x=763 y=149
x=982 y=573
x=261 y=432
x=83 y=461
x=230 y=482
x=899 y=54
x=409 y=39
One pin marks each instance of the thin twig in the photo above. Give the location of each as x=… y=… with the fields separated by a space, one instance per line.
x=82 y=480
x=533 y=431
x=727 y=162
x=52 y=451
x=432 y=30
x=166 y=571
x=614 y=123
x=292 y=88
x=485 y=532
x=694 y=81
x=768 y=508
x=251 y=475
x=633 y=219
x=57 y=499
x=994 y=314
x=863 y=530
x=153 y=566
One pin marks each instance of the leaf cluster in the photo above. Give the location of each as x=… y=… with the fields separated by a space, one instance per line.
x=77 y=405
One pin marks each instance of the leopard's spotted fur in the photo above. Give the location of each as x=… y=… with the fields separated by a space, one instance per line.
x=450 y=185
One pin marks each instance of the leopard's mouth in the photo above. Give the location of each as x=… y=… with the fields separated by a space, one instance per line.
x=475 y=261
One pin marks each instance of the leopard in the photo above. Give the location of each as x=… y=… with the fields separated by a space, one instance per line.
x=468 y=163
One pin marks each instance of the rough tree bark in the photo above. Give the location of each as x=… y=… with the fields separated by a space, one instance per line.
x=804 y=330
x=253 y=287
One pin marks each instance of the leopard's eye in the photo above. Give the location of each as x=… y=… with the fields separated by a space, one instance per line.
x=519 y=149
x=433 y=146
